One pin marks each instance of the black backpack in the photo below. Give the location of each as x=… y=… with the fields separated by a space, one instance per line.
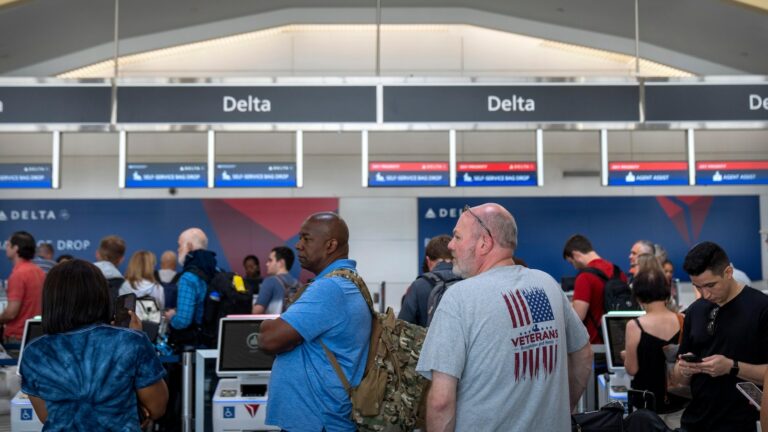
x=114 y=287
x=617 y=295
x=440 y=281
x=170 y=289
x=226 y=294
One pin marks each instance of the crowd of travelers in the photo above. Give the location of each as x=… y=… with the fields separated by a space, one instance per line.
x=504 y=347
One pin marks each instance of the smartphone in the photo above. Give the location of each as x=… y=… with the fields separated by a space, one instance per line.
x=123 y=304
x=751 y=392
x=691 y=358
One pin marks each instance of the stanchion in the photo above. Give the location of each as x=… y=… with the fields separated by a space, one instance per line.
x=187 y=375
x=590 y=396
x=383 y=297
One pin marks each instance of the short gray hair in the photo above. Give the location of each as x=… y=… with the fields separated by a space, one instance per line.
x=504 y=229
x=648 y=245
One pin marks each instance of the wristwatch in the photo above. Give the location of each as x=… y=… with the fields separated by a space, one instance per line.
x=735 y=369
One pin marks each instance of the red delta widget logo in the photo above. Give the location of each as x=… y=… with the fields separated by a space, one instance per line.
x=252 y=409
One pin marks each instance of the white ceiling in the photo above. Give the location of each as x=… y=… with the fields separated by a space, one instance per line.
x=47 y=37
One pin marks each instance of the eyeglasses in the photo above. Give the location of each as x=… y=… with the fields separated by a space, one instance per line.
x=480 y=221
x=712 y=318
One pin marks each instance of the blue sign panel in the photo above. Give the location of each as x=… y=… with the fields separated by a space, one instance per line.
x=229 y=412
x=25 y=176
x=235 y=227
x=613 y=225
x=648 y=174
x=496 y=174
x=162 y=175
x=26 y=414
x=732 y=173
x=404 y=174
x=256 y=174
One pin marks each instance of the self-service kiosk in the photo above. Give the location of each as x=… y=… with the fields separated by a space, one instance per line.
x=613 y=386
x=23 y=417
x=240 y=399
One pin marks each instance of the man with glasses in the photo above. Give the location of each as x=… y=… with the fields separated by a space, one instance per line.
x=505 y=350
x=725 y=341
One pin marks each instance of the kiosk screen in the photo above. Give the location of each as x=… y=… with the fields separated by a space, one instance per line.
x=33 y=329
x=614 y=328
x=239 y=348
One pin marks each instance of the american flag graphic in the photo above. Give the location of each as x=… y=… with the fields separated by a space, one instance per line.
x=538 y=350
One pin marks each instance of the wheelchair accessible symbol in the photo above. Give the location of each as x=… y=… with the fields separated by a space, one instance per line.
x=26 y=414
x=229 y=412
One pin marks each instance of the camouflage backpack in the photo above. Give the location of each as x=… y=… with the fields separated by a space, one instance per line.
x=389 y=397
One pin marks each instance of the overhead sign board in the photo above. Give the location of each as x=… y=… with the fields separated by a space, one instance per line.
x=705 y=102
x=496 y=174
x=717 y=173
x=413 y=174
x=256 y=174
x=559 y=103
x=48 y=104
x=25 y=176
x=647 y=173
x=206 y=104
x=162 y=175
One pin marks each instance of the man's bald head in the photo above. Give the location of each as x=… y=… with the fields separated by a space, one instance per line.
x=190 y=240
x=500 y=222
x=196 y=237
x=168 y=260
x=323 y=239
x=332 y=225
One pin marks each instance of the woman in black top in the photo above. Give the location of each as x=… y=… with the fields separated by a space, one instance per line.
x=651 y=336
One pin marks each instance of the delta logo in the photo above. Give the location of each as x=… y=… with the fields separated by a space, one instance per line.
x=252 y=409
x=30 y=215
x=442 y=213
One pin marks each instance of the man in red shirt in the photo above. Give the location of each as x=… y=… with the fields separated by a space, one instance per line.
x=588 y=288
x=25 y=286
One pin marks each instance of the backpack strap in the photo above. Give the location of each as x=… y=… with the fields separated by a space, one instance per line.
x=597 y=272
x=604 y=277
x=199 y=273
x=337 y=368
x=375 y=330
x=359 y=283
x=432 y=278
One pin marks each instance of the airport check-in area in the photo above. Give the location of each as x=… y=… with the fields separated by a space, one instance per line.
x=246 y=120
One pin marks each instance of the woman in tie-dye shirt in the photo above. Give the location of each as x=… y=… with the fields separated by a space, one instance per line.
x=84 y=374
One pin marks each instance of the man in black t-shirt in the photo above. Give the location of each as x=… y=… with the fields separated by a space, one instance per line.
x=727 y=329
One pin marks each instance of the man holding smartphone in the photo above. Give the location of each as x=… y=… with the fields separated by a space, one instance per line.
x=725 y=341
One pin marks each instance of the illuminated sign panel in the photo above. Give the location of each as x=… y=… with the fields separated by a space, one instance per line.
x=404 y=174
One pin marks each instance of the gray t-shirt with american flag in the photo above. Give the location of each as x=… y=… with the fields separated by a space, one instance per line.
x=505 y=334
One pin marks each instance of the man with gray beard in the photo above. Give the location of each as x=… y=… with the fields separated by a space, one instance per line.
x=504 y=344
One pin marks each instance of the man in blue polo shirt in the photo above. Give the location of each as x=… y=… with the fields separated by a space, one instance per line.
x=305 y=394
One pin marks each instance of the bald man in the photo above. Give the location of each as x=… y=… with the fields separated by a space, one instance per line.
x=167 y=266
x=505 y=349
x=305 y=394
x=199 y=265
